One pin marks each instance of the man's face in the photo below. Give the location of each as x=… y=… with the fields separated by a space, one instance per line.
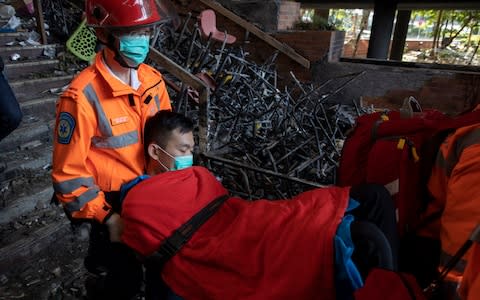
x=179 y=144
x=132 y=45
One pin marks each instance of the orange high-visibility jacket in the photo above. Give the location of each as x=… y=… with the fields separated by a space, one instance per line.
x=98 y=140
x=470 y=288
x=455 y=186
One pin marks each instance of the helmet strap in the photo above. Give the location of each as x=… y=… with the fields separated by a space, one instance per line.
x=119 y=58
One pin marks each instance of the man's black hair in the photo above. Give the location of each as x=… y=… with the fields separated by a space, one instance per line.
x=159 y=127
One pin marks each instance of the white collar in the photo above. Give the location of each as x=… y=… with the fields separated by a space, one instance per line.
x=134 y=81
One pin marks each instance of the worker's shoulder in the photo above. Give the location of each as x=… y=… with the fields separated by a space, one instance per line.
x=470 y=133
x=80 y=82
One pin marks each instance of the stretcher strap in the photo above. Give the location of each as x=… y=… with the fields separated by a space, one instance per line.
x=182 y=235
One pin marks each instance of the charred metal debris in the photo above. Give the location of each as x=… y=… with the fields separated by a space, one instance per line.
x=264 y=141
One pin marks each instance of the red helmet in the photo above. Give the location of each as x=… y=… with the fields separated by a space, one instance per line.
x=122 y=13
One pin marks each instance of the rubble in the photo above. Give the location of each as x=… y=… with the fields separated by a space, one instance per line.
x=260 y=136
x=264 y=140
x=15 y=57
x=8 y=12
x=41 y=257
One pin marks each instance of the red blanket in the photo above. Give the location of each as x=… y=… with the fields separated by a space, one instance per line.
x=248 y=250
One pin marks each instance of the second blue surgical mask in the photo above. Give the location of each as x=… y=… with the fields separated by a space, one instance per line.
x=180 y=162
x=135 y=47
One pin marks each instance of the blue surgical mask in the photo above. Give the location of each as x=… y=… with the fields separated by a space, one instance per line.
x=135 y=47
x=180 y=162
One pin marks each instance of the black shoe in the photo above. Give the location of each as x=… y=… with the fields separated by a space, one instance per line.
x=99 y=251
x=95 y=287
x=93 y=266
x=103 y=288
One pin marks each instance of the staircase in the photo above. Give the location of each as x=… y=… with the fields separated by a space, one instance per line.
x=40 y=255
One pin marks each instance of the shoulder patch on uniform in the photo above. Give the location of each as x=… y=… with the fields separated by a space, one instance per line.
x=65 y=128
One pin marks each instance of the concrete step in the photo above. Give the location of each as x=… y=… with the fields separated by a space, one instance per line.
x=28 y=69
x=27 y=52
x=43 y=259
x=26 y=90
x=7 y=37
x=23 y=251
x=31 y=163
x=25 y=205
x=30 y=130
x=40 y=107
x=3 y=21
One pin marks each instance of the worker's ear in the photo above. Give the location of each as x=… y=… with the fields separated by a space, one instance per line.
x=153 y=152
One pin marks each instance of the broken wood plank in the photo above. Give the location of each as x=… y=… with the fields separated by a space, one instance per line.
x=176 y=70
x=191 y=80
x=285 y=49
x=40 y=22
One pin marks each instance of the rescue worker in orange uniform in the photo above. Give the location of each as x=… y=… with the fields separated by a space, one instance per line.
x=454 y=187
x=98 y=140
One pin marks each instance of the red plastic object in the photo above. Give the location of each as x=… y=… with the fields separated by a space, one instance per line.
x=208 y=24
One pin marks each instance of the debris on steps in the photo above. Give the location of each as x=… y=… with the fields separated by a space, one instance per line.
x=41 y=254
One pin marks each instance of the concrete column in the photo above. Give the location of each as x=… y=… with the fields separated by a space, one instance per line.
x=400 y=34
x=382 y=27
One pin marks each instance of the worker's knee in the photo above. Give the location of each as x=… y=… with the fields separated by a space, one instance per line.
x=374 y=199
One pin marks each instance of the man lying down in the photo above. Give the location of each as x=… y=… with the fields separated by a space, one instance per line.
x=297 y=248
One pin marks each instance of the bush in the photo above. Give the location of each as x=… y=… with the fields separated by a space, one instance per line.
x=318 y=23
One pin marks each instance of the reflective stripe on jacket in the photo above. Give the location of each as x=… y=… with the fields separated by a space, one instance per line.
x=455 y=187
x=98 y=138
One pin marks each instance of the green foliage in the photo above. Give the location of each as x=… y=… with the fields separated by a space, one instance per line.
x=341 y=18
x=451 y=21
x=457 y=33
x=317 y=23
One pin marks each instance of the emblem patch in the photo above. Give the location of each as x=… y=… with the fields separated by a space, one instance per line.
x=66 y=125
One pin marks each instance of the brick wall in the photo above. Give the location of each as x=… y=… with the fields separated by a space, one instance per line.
x=313 y=45
x=363 y=47
x=288 y=14
x=418 y=45
x=451 y=94
x=386 y=86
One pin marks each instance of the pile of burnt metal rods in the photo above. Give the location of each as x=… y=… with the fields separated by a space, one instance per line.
x=264 y=141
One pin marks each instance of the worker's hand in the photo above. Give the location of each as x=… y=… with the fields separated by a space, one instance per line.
x=115 y=227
